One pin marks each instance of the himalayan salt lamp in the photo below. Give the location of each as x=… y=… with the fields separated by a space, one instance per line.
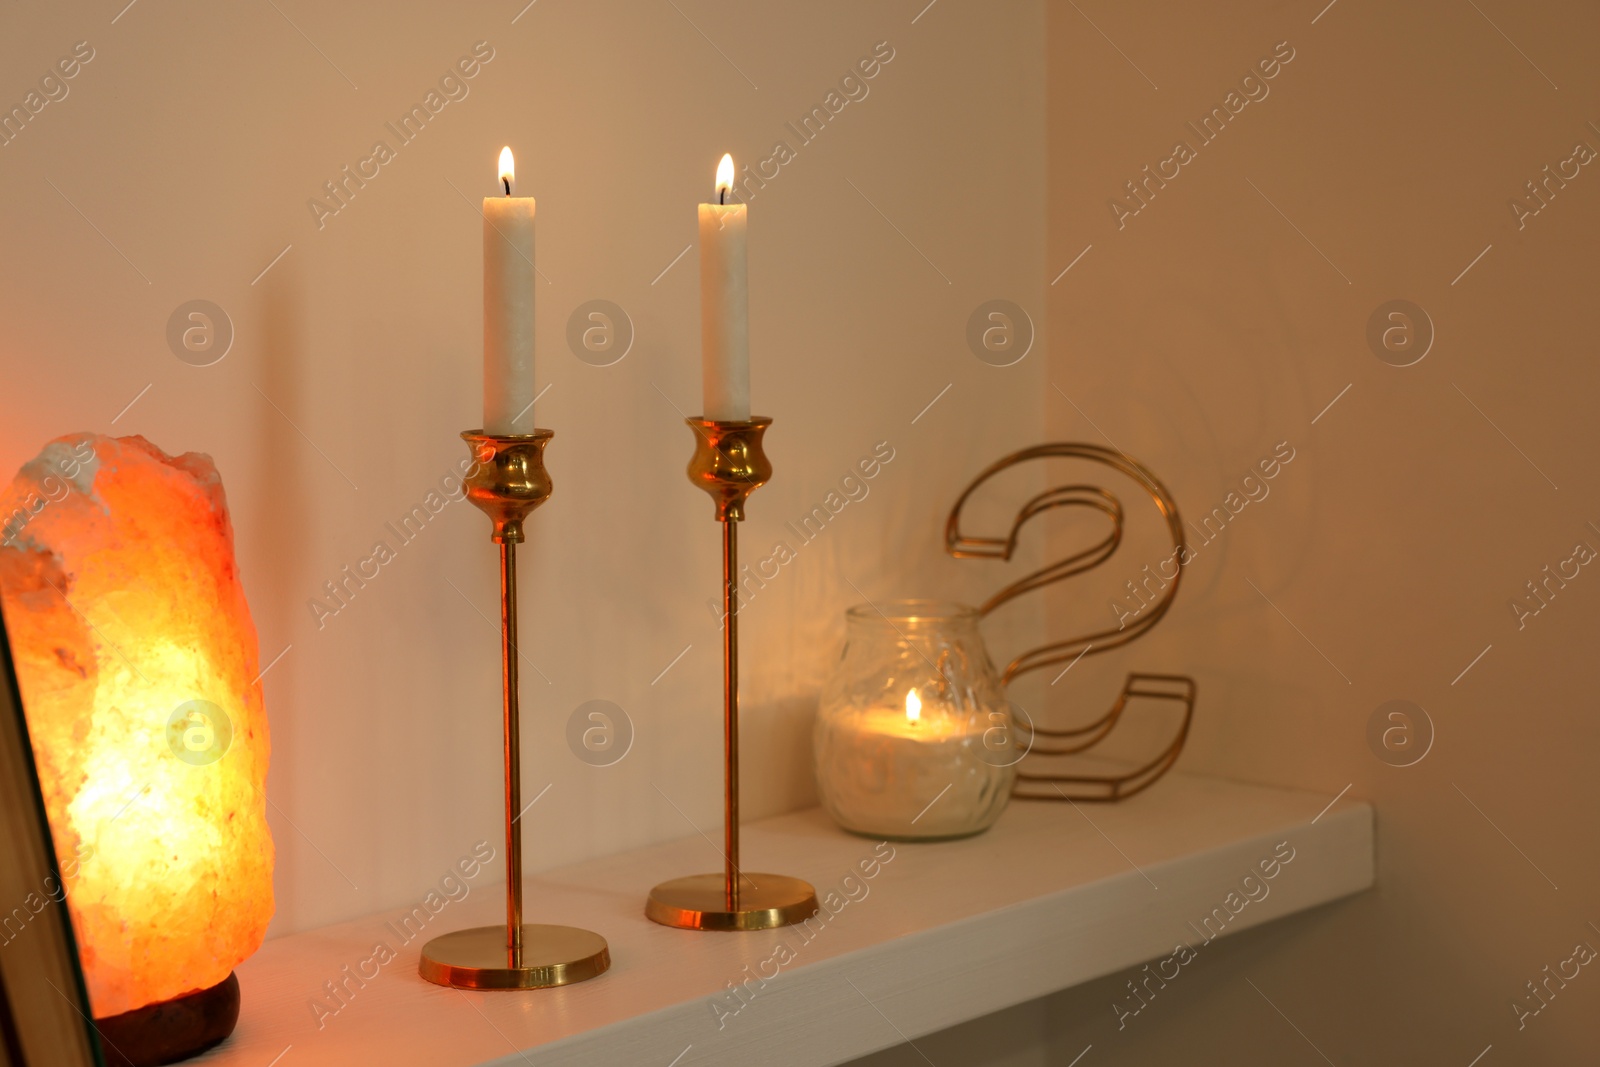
x=138 y=666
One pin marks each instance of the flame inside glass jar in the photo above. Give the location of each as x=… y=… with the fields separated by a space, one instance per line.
x=914 y=738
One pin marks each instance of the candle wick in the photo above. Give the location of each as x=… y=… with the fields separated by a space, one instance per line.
x=507 y=183
x=722 y=196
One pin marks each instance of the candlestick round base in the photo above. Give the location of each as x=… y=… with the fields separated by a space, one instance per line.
x=551 y=956
x=700 y=902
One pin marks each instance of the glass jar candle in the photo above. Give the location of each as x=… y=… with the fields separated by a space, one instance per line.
x=914 y=738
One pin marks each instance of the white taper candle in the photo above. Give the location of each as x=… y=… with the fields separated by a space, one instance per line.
x=508 y=281
x=724 y=304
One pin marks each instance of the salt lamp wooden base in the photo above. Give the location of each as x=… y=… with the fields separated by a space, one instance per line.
x=171 y=1030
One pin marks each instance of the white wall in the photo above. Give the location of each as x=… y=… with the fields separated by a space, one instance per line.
x=189 y=147
x=1208 y=329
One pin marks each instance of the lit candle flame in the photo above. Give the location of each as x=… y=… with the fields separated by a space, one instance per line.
x=913 y=707
x=724 y=178
x=508 y=169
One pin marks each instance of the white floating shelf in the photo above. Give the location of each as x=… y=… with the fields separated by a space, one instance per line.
x=944 y=933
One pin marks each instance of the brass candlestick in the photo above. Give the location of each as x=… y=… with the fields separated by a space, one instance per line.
x=507 y=482
x=729 y=464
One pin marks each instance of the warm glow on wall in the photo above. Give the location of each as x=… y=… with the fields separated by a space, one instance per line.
x=138 y=666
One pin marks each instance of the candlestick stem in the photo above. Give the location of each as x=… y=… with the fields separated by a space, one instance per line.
x=513 y=755
x=730 y=706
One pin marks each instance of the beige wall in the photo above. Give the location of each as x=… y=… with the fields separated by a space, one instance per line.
x=192 y=142
x=1206 y=330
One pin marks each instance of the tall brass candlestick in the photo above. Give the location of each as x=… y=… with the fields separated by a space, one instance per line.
x=730 y=464
x=507 y=482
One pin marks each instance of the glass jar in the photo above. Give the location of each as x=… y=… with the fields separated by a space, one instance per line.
x=914 y=738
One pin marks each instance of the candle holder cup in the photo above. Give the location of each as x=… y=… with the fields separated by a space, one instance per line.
x=507 y=482
x=729 y=463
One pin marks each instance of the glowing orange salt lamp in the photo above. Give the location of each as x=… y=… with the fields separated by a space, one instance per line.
x=138 y=666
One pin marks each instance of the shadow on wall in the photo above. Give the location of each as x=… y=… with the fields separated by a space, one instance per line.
x=280 y=529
